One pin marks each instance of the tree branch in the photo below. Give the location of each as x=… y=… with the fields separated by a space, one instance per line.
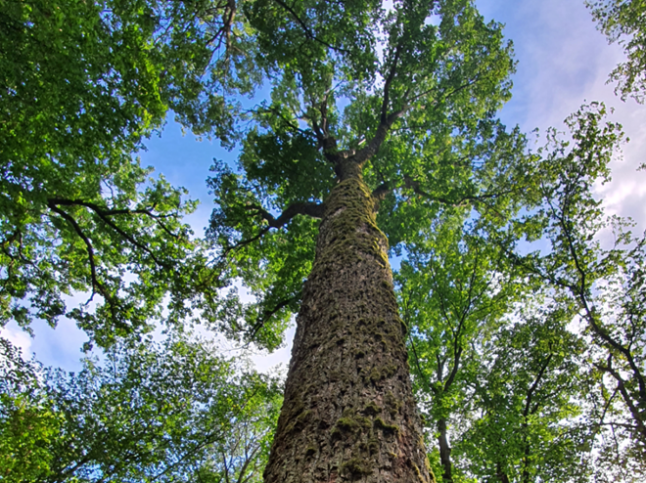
x=410 y=183
x=308 y=32
x=380 y=192
x=104 y=215
x=315 y=210
x=370 y=149
x=590 y=312
x=96 y=284
x=621 y=387
x=268 y=314
x=389 y=79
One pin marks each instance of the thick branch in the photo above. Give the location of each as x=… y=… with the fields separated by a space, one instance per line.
x=315 y=210
x=380 y=192
x=96 y=284
x=104 y=215
x=389 y=79
x=370 y=149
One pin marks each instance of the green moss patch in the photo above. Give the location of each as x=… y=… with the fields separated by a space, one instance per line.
x=355 y=468
x=388 y=429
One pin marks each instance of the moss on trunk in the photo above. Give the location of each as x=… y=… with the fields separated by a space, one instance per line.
x=349 y=412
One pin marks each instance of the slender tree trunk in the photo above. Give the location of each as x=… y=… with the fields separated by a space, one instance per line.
x=349 y=412
x=445 y=451
x=502 y=476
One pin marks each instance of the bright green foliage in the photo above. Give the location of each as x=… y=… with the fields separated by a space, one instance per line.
x=28 y=422
x=523 y=423
x=84 y=83
x=603 y=286
x=526 y=363
x=455 y=290
x=154 y=412
x=625 y=21
x=606 y=285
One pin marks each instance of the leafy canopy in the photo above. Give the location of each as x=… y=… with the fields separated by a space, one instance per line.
x=84 y=84
x=412 y=109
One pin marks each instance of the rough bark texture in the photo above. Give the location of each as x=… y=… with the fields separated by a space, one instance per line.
x=445 y=451
x=349 y=413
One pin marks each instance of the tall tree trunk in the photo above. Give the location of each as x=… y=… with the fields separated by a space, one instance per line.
x=445 y=451
x=349 y=412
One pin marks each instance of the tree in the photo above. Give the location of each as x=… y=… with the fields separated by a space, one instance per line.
x=526 y=423
x=623 y=21
x=84 y=84
x=408 y=133
x=380 y=124
x=455 y=290
x=605 y=285
x=154 y=412
x=27 y=422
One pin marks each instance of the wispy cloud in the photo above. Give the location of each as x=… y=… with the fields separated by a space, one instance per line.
x=563 y=62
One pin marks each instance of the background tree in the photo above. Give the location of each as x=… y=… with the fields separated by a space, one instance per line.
x=455 y=290
x=28 y=423
x=146 y=413
x=525 y=423
x=604 y=285
x=515 y=378
x=83 y=85
x=623 y=21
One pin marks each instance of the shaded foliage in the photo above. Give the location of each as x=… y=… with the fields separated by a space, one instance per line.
x=155 y=412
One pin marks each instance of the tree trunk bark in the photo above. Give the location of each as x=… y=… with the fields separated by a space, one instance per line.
x=349 y=412
x=445 y=451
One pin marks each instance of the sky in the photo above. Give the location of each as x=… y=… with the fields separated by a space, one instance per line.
x=563 y=62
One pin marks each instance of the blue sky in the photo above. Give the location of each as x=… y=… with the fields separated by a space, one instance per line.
x=563 y=61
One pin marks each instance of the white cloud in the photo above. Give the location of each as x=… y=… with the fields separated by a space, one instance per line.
x=17 y=337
